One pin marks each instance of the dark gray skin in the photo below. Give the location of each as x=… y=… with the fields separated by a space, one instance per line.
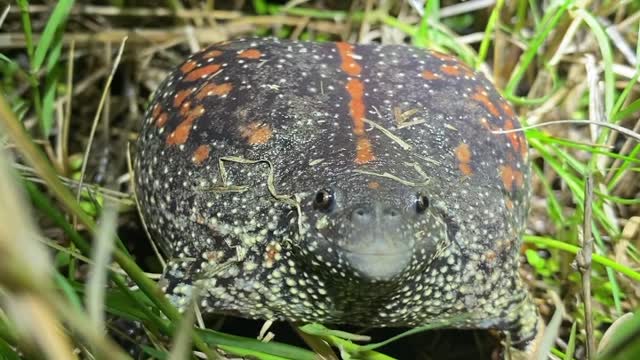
x=334 y=183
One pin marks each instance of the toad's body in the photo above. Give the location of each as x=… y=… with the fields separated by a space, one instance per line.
x=338 y=183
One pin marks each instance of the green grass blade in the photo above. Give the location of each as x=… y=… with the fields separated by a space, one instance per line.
x=549 y=23
x=486 y=40
x=26 y=26
x=571 y=345
x=7 y=352
x=627 y=111
x=598 y=259
x=51 y=32
x=624 y=345
x=272 y=347
x=423 y=36
x=607 y=59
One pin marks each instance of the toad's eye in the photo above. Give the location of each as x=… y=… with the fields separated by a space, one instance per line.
x=324 y=200
x=422 y=203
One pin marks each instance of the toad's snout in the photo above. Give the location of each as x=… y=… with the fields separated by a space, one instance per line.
x=379 y=246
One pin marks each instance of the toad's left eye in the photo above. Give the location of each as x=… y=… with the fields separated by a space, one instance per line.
x=422 y=203
x=324 y=200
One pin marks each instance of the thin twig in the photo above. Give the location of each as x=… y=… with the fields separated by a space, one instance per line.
x=132 y=184
x=94 y=127
x=584 y=265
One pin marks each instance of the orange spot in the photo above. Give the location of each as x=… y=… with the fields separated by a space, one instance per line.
x=349 y=65
x=256 y=133
x=156 y=110
x=250 y=54
x=524 y=149
x=373 y=185
x=517 y=140
x=185 y=108
x=468 y=72
x=201 y=154
x=428 y=75
x=161 y=119
x=202 y=71
x=451 y=70
x=180 y=135
x=508 y=109
x=463 y=154
x=181 y=96
x=443 y=56
x=214 y=89
x=511 y=177
x=364 y=151
x=188 y=66
x=512 y=136
x=481 y=96
x=212 y=54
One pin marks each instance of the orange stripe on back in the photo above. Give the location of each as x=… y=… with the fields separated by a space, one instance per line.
x=356 y=105
x=349 y=65
x=355 y=89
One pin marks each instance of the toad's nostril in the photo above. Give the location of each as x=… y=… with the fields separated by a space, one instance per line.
x=391 y=213
x=362 y=215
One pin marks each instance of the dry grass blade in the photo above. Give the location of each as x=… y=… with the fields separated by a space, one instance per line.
x=182 y=341
x=19 y=244
x=465 y=7
x=140 y=11
x=97 y=282
x=25 y=274
x=37 y=320
x=4 y=15
x=25 y=271
x=630 y=133
x=552 y=329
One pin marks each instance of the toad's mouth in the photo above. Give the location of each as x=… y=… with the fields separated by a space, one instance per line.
x=378 y=266
x=375 y=254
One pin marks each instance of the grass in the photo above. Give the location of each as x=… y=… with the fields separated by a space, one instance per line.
x=56 y=258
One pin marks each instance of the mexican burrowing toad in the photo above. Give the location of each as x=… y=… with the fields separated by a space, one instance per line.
x=338 y=183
